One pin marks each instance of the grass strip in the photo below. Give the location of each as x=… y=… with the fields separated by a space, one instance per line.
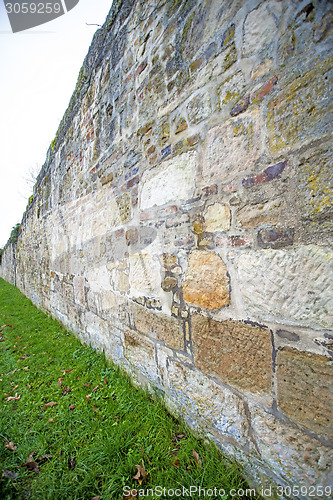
x=73 y=427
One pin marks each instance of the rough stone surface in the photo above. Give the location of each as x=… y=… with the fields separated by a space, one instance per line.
x=237 y=353
x=217 y=218
x=305 y=389
x=159 y=326
x=283 y=285
x=206 y=284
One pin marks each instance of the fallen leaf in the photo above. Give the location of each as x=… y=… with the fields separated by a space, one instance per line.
x=141 y=475
x=50 y=419
x=196 y=456
x=96 y=498
x=2 y=340
x=5 y=326
x=52 y=403
x=67 y=371
x=66 y=390
x=88 y=398
x=11 y=446
x=71 y=463
x=9 y=474
x=30 y=457
x=13 y=398
x=86 y=385
x=95 y=388
x=60 y=381
x=176 y=463
x=72 y=407
x=26 y=368
x=105 y=382
x=33 y=466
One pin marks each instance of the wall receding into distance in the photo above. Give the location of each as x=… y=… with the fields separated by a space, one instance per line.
x=182 y=221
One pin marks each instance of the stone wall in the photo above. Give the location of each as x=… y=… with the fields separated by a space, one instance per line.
x=182 y=221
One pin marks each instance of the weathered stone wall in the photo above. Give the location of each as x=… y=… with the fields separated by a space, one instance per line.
x=183 y=221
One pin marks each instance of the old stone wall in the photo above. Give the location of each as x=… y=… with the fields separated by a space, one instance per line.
x=182 y=221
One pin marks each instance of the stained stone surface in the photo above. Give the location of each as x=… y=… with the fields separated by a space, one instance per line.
x=206 y=282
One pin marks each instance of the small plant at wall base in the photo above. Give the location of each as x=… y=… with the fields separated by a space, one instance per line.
x=74 y=427
x=15 y=233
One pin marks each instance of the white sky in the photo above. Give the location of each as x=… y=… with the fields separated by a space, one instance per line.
x=38 y=72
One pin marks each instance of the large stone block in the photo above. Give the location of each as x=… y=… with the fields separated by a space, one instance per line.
x=296 y=458
x=231 y=148
x=237 y=353
x=207 y=283
x=260 y=26
x=173 y=181
x=198 y=398
x=217 y=218
x=140 y=352
x=159 y=326
x=305 y=389
x=315 y=189
x=302 y=110
x=288 y=286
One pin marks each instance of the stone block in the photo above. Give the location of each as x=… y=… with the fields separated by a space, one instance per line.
x=237 y=353
x=142 y=275
x=140 y=352
x=159 y=326
x=252 y=216
x=288 y=286
x=305 y=389
x=315 y=188
x=202 y=400
x=206 y=283
x=199 y=108
x=260 y=26
x=217 y=218
x=275 y=237
x=302 y=110
x=231 y=148
x=173 y=181
x=296 y=458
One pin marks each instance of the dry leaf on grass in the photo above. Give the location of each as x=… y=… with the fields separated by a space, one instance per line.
x=33 y=466
x=9 y=474
x=11 y=446
x=52 y=403
x=13 y=398
x=5 y=326
x=72 y=407
x=196 y=456
x=141 y=475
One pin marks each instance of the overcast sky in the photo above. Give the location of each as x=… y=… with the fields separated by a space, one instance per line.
x=38 y=73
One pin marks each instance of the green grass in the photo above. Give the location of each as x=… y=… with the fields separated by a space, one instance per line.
x=93 y=449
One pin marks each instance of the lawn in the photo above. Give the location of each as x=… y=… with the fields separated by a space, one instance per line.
x=72 y=426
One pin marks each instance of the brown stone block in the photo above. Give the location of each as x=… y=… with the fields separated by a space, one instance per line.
x=207 y=283
x=159 y=326
x=237 y=353
x=305 y=389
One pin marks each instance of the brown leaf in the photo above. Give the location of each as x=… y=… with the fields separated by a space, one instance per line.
x=72 y=407
x=11 y=446
x=88 y=398
x=105 y=382
x=95 y=388
x=52 y=403
x=196 y=456
x=33 y=466
x=176 y=463
x=30 y=457
x=13 y=398
x=141 y=475
x=60 y=381
x=86 y=384
x=3 y=340
x=96 y=498
x=67 y=371
x=66 y=390
x=5 y=326
x=9 y=474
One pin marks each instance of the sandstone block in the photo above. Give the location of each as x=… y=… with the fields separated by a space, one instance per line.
x=217 y=218
x=207 y=283
x=159 y=326
x=301 y=111
x=237 y=353
x=262 y=213
x=260 y=26
x=231 y=148
x=288 y=286
x=305 y=389
x=140 y=352
x=175 y=180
